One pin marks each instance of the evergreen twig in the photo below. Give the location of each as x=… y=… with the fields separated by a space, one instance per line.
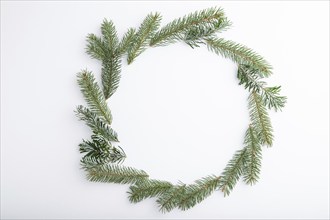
x=176 y=29
x=141 y=39
x=253 y=157
x=239 y=54
x=126 y=41
x=97 y=124
x=106 y=50
x=111 y=74
x=260 y=119
x=93 y=95
x=148 y=189
x=95 y=47
x=101 y=151
x=197 y=35
x=250 y=78
x=111 y=63
x=115 y=174
x=197 y=192
x=233 y=171
x=171 y=198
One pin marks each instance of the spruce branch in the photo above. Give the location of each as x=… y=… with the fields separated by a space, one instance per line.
x=197 y=35
x=239 y=54
x=111 y=63
x=272 y=99
x=196 y=193
x=93 y=95
x=233 y=171
x=250 y=78
x=260 y=119
x=101 y=151
x=109 y=34
x=253 y=156
x=141 y=39
x=95 y=47
x=126 y=41
x=148 y=189
x=171 y=198
x=175 y=30
x=97 y=124
x=101 y=48
x=111 y=67
x=115 y=174
x=90 y=162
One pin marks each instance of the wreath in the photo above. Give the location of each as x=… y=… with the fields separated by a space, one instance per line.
x=102 y=156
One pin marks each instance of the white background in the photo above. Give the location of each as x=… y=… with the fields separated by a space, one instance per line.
x=179 y=112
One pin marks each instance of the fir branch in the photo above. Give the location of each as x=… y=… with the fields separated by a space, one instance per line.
x=233 y=171
x=197 y=35
x=97 y=124
x=272 y=99
x=148 y=189
x=111 y=67
x=109 y=34
x=101 y=151
x=90 y=162
x=126 y=41
x=141 y=40
x=197 y=192
x=250 y=77
x=116 y=153
x=95 y=47
x=174 y=30
x=111 y=61
x=171 y=198
x=93 y=95
x=239 y=54
x=260 y=119
x=115 y=174
x=253 y=161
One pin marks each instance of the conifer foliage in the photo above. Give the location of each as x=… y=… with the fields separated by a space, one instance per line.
x=102 y=156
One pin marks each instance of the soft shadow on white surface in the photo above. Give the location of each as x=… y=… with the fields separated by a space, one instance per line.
x=179 y=112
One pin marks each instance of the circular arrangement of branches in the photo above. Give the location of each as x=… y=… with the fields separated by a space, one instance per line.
x=102 y=157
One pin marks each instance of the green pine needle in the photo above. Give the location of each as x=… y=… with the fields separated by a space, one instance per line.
x=95 y=47
x=197 y=35
x=93 y=95
x=233 y=171
x=101 y=151
x=196 y=193
x=253 y=155
x=106 y=50
x=176 y=29
x=111 y=63
x=141 y=39
x=109 y=34
x=126 y=41
x=272 y=99
x=111 y=67
x=115 y=174
x=171 y=198
x=97 y=124
x=250 y=78
x=260 y=119
x=239 y=54
x=148 y=189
